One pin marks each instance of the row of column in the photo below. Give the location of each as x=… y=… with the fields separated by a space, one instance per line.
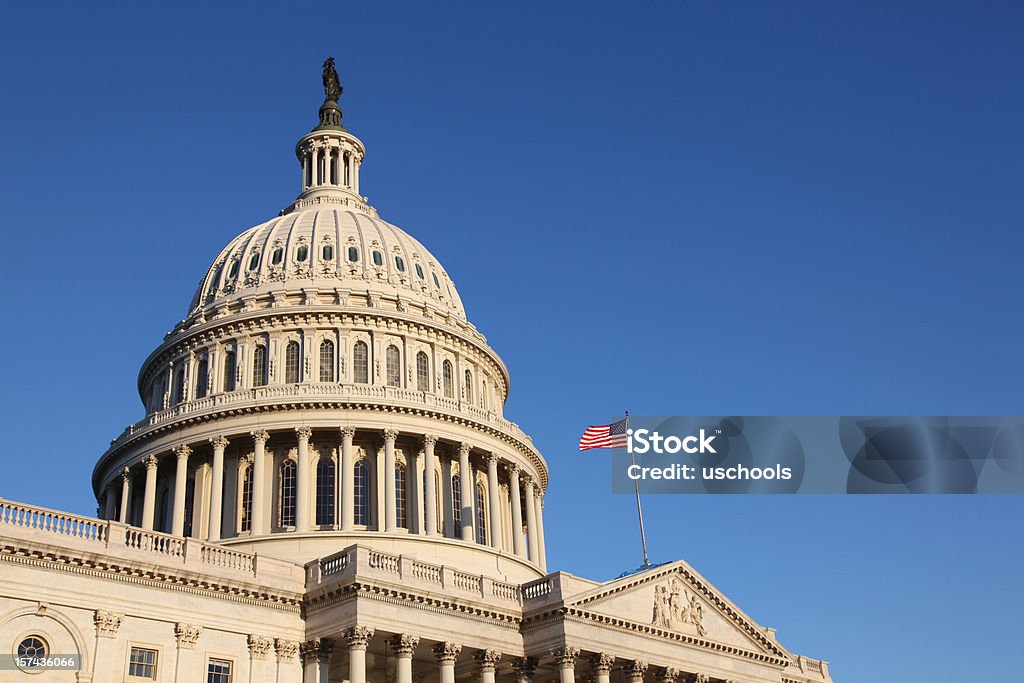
x=320 y=162
x=528 y=545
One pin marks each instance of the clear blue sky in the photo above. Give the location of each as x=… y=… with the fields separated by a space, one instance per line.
x=675 y=208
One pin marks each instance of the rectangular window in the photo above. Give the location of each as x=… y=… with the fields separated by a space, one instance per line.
x=142 y=663
x=218 y=671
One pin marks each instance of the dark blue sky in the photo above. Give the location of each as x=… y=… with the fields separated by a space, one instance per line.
x=675 y=208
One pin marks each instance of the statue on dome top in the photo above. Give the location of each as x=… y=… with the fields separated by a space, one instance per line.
x=332 y=84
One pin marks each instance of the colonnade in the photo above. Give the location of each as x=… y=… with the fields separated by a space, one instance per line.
x=329 y=164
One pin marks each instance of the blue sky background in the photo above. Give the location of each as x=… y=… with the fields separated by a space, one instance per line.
x=675 y=208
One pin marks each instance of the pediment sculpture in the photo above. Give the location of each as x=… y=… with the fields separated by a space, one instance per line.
x=677 y=609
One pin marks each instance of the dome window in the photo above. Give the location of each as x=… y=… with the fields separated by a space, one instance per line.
x=327 y=253
x=234 y=269
x=436 y=283
x=302 y=253
x=378 y=258
x=275 y=258
x=254 y=261
x=419 y=271
x=400 y=264
x=353 y=254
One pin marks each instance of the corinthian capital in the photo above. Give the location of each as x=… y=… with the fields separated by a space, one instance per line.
x=126 y=475
x=668 y=674
x=403 y=645
x=565 y=656
x=430 y=439
x=358 y=637
x=465 y=447
x=513 y=469
x=524 y=666
x=260 y=435
x=701 y=678
x=219 y=441
x=186 y=634
x=601 y=663
x=182 y=451
x=447 y=652
x=303 y=433
x=151 y=462
x=106 y=623
x=285 y=649
x=390 y=434
x=316 y=648
x=635 y=670
x=348 y=431
x=487 y=659
x=259 y=646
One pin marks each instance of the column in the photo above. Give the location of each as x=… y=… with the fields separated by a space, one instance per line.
x=316 y=660
x=414 y=482
x=488 y=660
x=348 y=482
x=494 y=507
x=541 y=552
x=180 y=482
x=566 y=658
x=355 y=174
x=149 y=496
x=358 y=638
x=430 y=490
x=531 y=520
x=217 y=487
x=446 y=654
x=524 y=668
x=107 y=624
x=635 y=671
x=110 y=500
x=667 y=675
x=305 y=169
x=446 y=494
x=126 y=495
x=466 y=491
x=259 y=648
x=518 y=542
x=302 y=510
x=403 y=645
x=316 y=166
x=258 y=523
x=389 y=480
x=601 y=665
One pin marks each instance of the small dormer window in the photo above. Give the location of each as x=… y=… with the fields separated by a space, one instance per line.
x=419 y=271
x=327 y=253
x=353 y=254
x=254 y=261
x=276 y=257
x=302 y=253
x=378 y=258
x=400 y=264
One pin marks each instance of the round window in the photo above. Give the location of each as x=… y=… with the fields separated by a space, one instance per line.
x=32 y=650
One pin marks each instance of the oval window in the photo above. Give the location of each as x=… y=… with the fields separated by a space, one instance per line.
x=419 y=271
x=400 y=264
x=327 y=252
x=302 y=253
x=254 y=261
x=276 y=257
x=353 y=254
x=378 y=258
x=34 y=647
x=234 y=268
x=436 y=283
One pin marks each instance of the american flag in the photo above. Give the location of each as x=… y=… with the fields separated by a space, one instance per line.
x=605 y=436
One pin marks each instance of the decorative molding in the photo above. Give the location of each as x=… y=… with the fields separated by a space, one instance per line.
x=260 y=435
x=430 y=439
x=487 y=659
x=187 y=635
x=150 y=462
x=259 y=646
x=348 y=431
x=701 y=678
x=304 y=433
x=446 y=652
x=390 y=434
x=106 y=623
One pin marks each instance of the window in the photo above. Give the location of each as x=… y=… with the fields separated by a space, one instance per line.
x=401 y=518
x=229 y=371
x=448 y=379
x=287 y=495
x=436 y=283
x=422 y=372
x=291 y=363
x=190 y=499
x=234 y=268
x=438 y=497
x=327 y=253
x=275 y=258
x=393 y=358
x=469 y=387
x=400 y=264
x=302 y=253
x=419 y=271
x=33 y=646
x=361 y=482
x=259 y=366
x=142 y=663
x=325 y=492
x=247 y=499
x=456 y=505
x=481 y=515
x=361 y=363
x=378 y=258
x=353 y=254
x=218 y=671
x=254 y=261
x=326 y=361
x=202 y=378
x=179 y=385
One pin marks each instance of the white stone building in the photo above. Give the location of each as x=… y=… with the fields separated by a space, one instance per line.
x=325 y=489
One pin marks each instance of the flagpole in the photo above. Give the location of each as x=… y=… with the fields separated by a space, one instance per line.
x=639 y=508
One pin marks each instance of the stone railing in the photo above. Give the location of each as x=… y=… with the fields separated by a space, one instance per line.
x=540 y=588
x=52 y=521
x=367 y=562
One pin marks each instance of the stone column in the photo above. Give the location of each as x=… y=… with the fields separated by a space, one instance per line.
x=566 y=658
x=180 y=482
x=635 y=671
x=446 y=494
x=466 y=491
x=413 y=483
x=107 y=624
x=488 y=660
x=258 y=519
x=601 y=665
x=348 y=481
x=667 y=675
x=285 y=651
x=403 y=646
x=531 y=520
x=149 y=496
x=524 y=668
x=541 y=552
x=316 y=659
x=109 y=500
x=126 y=495
x=446 y=654
x=316 y=165
x=494 y=504
x=217 y=487
x=390 y=521
x=518 y=542
x=302 y=509
x=430 y=490
x=358 y=638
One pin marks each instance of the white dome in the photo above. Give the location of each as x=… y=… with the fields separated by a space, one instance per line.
x=326 y=248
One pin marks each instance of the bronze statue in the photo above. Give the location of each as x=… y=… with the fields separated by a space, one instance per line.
x=332 y=84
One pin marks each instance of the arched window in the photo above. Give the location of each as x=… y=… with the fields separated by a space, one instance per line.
x=275 y=258
x=291 y=363
x=327 y=252
x=400 y=264
x=325 y=492
x=469 y=387
x=287 y=493
x=259 y=366
x=302 y=253
x=481 y=515
x=361 y=482
x=326 y=361
x=179 y=385
x=202 y=378
x=422 y=372
x=247 y=499
x=361 y=363
x=393 y=358
x=378 y=259
x=401 y=518
x=456 y=506
x=353 y=254
x=229 y=371
x=254 y=261
x=448 y=379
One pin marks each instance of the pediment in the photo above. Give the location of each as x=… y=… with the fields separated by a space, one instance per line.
x=674 y=601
